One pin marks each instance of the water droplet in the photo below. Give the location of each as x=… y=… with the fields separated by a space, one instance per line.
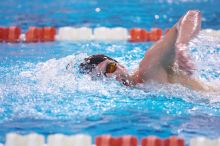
x=97 y=10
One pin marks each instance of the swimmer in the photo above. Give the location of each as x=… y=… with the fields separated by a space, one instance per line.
x=165 y=62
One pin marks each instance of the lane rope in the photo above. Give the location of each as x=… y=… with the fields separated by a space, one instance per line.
x=46 y=34
x=33 y=139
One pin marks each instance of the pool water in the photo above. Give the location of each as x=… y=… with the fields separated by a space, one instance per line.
x=38 y=94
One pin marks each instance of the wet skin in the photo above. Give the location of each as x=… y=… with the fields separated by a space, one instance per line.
x=167 y=60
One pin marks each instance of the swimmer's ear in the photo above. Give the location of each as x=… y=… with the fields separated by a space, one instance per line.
x=68 y=66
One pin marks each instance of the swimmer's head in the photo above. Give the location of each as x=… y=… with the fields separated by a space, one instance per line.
x=91 y=62
x=100 y=64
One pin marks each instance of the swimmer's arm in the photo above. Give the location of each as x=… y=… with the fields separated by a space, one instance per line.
x=190 y=82
x=158 y=56
x=188 y=27
x=163 y=53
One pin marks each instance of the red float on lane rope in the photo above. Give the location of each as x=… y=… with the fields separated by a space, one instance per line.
x=32 y=34
x=129 y=140
x=116 y=141
x=174 y=141
x=3 y=34
x=151 y=141
x=14 y=34
x=145 y=34
x=135 y=35
x=155 y=34
x=40 y=34
x=138 y=35
x=103 y=140
x=107 y=140
x=49 y=33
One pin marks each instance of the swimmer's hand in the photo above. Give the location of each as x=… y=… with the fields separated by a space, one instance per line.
x=183 y=60
x=187 y=27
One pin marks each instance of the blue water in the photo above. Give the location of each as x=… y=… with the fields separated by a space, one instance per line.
x=37 y=93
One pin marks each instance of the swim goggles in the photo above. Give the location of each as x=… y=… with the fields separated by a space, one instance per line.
x=110 y=68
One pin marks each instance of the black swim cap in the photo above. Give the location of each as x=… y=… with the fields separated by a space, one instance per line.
x=92 y=61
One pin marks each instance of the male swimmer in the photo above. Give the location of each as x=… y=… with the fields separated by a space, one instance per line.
x=165 y=62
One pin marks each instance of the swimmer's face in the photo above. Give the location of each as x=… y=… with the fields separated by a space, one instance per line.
x=110 y=68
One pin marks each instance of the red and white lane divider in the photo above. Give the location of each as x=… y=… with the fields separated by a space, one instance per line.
x=71 y=33
x=35 y=34
x=10 y=34
x=202 y=141
x=13 y=139
x=107 y=140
